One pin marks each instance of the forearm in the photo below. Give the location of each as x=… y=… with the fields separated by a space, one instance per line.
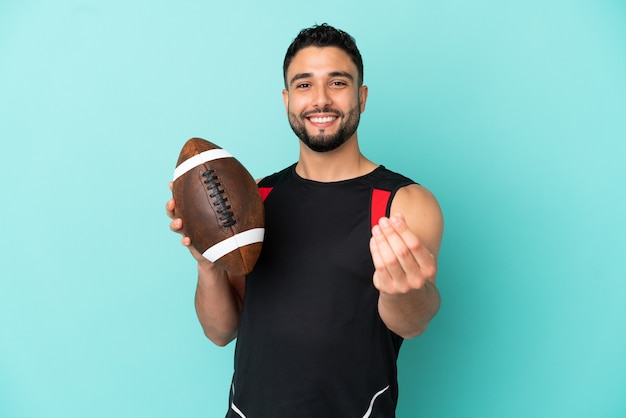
x=409 y=314
x=217 y=304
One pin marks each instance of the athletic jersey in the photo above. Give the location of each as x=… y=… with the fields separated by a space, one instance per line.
x=311 y=342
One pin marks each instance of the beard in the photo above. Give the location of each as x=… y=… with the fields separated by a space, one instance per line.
x=323 y=142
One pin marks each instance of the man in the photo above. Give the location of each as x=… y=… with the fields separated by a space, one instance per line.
x=348 y=265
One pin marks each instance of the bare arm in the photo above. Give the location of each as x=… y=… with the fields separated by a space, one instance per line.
x=405 y=248
x=218 y=304
x=218 y=295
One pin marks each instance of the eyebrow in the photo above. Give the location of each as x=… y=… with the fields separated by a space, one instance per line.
x=331 y=74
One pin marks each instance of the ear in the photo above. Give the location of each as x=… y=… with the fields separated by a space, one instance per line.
x=286 y=99
x=362 y=97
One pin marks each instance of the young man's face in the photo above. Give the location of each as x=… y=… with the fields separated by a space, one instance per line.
x=323 y=99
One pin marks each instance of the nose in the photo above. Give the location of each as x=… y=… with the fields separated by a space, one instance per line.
x=321 y=97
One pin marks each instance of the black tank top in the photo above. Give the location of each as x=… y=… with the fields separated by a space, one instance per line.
x=311 y=342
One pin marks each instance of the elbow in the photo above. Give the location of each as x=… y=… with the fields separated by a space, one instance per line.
x=413 y=332
x=417 y=328
x=221 y=342
x=220 y=338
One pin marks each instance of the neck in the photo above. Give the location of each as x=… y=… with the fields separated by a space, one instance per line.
x=344 y=163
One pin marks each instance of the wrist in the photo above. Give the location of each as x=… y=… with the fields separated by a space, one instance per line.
x=209 y=272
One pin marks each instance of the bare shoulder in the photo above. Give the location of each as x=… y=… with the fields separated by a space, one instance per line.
x=422 y=214
x=416 y=198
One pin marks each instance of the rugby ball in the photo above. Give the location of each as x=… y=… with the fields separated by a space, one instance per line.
x=220 y=205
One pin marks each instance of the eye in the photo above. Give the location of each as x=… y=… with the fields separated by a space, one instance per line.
x=303 y=85
x=338 y=83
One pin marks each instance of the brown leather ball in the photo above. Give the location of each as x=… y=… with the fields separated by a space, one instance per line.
x=220 y=205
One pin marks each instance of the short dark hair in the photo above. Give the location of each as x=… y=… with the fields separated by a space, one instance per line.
x=322 y=36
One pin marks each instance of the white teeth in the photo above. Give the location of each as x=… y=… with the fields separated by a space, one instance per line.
x=323 y=120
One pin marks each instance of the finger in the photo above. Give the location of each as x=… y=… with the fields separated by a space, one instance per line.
x=382 y=279
x=169 y=208
x=420 y=253
x=379 y=263
x=389 y=277
x=396 y=252
x=387 y=258
x=176 y=225
x=186 y=241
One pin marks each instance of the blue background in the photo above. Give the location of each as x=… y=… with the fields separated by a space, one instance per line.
x=512 y=113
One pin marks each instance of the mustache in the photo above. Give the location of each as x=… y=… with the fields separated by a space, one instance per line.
x=326 y=109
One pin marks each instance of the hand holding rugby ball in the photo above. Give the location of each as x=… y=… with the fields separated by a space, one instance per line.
x=220 y=205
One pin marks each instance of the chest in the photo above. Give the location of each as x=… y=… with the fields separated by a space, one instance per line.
x=325 y=229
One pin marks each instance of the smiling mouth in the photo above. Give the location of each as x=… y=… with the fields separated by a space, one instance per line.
x=322 y=119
